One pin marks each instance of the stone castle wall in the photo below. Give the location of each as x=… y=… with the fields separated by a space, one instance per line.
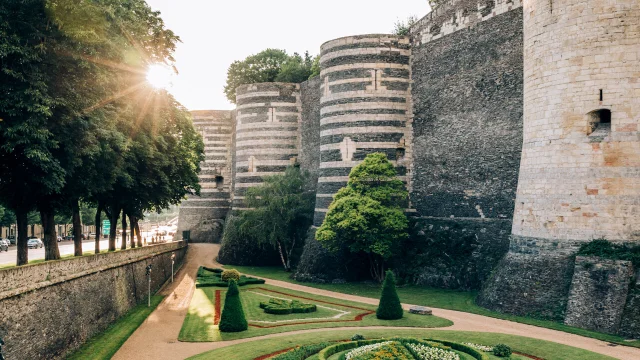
x=204 y=215
x=579 y=174
x=48 y=310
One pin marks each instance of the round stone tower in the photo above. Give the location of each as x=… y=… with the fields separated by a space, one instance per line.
x=365 y=108
x=267 y=137
x=580 y=170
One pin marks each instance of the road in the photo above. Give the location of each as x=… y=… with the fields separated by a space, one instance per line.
x=66 y=248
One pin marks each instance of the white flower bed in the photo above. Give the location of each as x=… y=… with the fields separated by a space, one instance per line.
x=480 y=347
x=432 y=353
x=365 y=349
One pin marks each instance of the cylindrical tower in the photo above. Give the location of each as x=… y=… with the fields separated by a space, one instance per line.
x=580 y=170
x=365 y=108
x=267 y=137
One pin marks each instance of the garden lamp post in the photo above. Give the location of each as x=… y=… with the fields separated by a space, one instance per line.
x=149 y=288
x=173 y=259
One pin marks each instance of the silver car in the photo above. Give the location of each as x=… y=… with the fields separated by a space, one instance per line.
x=35 y=243
x=4 y=245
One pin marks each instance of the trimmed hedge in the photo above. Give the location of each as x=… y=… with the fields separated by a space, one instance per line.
x=232 y=318
x=284 y=307
x=208 y=277
x=464 y=348
x=334 y=349
x=389 y=307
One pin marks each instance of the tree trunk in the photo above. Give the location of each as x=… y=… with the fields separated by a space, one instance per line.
x=124 y=231
x=98 y=221
x=21 y=237
x=138 y=234
x=113 y=220
x=284 y=262
x=132 y=227
x=77 y=227
x=51 y=251
x=33 y=229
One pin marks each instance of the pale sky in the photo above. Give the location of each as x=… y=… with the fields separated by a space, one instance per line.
x=214 y=33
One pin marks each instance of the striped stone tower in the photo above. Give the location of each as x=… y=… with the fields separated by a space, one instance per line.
x=204 y=215
x=365 y=108
x=267 y=136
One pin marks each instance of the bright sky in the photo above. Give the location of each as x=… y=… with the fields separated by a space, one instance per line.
x=214 y=33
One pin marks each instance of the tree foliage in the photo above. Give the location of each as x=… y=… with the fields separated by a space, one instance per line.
x=402 y=27
x=78 y=123
x=282 y=211
x=270 y=65
x=367 y=215
x=389 y=307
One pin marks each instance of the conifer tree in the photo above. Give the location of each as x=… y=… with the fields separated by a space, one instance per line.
x=389 y=307
x=232 y=318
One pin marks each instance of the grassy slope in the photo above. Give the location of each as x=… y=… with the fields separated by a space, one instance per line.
x=198 y=324
x=107 y=343
x=540 y=348
x=439 y=298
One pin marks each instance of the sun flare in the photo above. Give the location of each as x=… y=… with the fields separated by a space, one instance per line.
x=160 y=76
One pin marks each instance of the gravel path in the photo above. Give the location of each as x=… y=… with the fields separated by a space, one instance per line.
x=157 y=337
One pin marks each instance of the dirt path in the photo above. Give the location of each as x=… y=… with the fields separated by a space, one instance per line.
x=157 y=337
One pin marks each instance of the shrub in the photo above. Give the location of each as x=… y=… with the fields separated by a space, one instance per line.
x=231 y=274
x=283 y=307
x=389 y=307
x=502 y=350
x=357 y=337
x=232 y=318
x=302 y=352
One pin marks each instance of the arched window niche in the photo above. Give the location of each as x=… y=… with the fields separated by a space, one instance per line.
x=599 y=123
x=219 y=182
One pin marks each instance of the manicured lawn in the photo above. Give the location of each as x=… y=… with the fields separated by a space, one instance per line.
x=199 y=324
x=107 y=343
x=439 y=298
x=543 y=349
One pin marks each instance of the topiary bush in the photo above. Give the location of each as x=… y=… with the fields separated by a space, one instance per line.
x=502 y=350
x=231 y=274
x=232 y=318
x=357 y=337
x=284 y=307
x=389 y=307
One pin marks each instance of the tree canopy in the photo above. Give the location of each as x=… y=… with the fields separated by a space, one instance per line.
x=281 y=212
x=79 y=123
x=270 y=65
x=367 y=216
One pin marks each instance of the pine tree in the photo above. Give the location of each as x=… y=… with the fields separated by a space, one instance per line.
x=232 y=318
x=389 y=307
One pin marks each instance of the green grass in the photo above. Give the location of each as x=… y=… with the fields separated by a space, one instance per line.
x=540 y=348
x=107 y=343
x=438 y=298
x=198 y=324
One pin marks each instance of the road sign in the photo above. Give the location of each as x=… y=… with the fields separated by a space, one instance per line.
x=106 y=227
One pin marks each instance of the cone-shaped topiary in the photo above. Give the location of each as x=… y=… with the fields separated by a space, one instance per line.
x=389 y=307
x=232 y=318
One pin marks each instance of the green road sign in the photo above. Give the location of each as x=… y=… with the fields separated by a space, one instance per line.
x=106 y=227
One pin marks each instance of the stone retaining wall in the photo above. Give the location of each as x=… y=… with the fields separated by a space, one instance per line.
x=48 y=310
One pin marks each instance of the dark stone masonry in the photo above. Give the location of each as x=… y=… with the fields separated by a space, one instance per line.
x=48 y=310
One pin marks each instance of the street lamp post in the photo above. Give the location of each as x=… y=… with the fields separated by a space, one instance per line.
x=173 y=259
x=149 y=288
x=1 y=345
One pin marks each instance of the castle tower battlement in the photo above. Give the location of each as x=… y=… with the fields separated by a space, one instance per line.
x=365 y=108
x=267 y=134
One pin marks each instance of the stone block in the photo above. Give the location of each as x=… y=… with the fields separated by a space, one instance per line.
x=420 y=310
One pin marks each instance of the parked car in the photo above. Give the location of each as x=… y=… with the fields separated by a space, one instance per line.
x=92 y=236
x=12 y=240
x=35 y=243
x=60 y=238
x=4 y=245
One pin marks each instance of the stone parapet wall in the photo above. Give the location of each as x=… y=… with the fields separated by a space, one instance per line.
x=455 y=15
x=64 y=303
x=598 y=294
x=18 y=280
